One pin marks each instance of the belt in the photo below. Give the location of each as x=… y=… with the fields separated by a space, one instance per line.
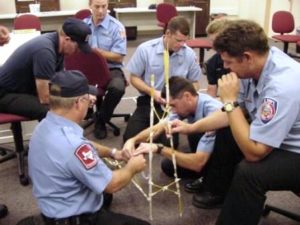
x=72 y=220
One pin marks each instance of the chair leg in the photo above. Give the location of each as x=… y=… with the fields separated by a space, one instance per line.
x=285 y=47
x=18 y=139
x=269 y=208
x=116 y=130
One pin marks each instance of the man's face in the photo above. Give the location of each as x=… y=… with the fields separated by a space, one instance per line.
x=180 y=105
x=241 y=66
x=175 y=40
x=99 y=10
x=70 y=47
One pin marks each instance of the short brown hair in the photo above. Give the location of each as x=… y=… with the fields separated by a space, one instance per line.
x=177 y=86
x=217 y=26
x=179 y=23
x=240 y=36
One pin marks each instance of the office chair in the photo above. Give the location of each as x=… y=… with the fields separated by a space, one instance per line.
x=202 y=44
x=95 y=68
x=165 y=12
x=27 y=21
x=19 y=151
x=83 y=13
x=291 y=215
x=283 y=23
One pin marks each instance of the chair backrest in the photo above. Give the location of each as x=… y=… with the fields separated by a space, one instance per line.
x=93 y=66
x=83 y=13
x=283 y=22
x=27 y=21
x=165 y=12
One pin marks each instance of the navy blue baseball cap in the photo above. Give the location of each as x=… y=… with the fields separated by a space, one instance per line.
x=72 y=83
x=78 y=31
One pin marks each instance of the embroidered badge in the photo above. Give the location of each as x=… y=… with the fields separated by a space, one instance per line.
x=268 y=110
x=86 y=156
x=123 y=34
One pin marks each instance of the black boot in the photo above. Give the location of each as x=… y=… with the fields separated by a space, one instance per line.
x=208 y=200
x=195 y=186
x=100 y=131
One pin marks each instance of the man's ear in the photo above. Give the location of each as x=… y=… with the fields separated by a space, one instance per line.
x=248 y=55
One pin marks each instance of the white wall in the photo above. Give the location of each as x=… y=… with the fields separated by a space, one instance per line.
x=7 y=6
x=73 y=4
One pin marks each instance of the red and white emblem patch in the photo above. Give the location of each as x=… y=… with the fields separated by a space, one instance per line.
x=268 y=110
x=86 y=156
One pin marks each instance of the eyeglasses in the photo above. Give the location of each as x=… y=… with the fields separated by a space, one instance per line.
x=90 y=100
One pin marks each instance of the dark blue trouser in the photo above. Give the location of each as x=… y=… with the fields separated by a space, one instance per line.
x=246 y=197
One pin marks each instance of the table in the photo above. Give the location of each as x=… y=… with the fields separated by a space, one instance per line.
x=50 y=20
x=16 y=40
x=143 y=16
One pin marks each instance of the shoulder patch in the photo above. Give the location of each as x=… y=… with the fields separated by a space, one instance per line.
x=268 y=110
x=86 y=156
x=123 y=34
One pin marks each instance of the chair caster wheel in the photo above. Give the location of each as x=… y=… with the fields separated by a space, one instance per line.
x=24 y=180
x=126 y=118
x=116 y=132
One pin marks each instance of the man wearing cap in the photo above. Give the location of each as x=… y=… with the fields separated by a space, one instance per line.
x=67 y=174
x=108 y=38
x=25 y=75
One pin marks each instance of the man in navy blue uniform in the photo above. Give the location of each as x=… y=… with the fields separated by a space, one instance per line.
x=24 y=77
x=67 y=174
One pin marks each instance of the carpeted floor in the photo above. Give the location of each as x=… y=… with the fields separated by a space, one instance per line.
x=130 y=200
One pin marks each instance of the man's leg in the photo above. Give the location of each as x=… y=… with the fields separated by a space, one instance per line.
x=245 y=199
x=3 y=211
x=111 y=218
x=23 y=105
x=114 y=92
x=219 y=170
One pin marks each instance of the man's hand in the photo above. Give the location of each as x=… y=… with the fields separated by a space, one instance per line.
x=229 y=86
x=158 y=98
x=145 y=148
x=178 y=126
x=136 y=164
x=4 y=35
x=128 y=149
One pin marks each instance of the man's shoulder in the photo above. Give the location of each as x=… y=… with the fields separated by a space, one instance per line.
x=115 y=22
x=150 y=43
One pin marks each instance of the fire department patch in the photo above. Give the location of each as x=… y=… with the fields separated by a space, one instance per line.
x=268 y=110
x=86 y=156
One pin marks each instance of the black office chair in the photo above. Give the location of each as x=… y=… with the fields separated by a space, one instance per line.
x=95 y=68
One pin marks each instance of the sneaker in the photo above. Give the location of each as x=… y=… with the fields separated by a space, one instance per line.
x=3 y=211
x=195 y=186
x=207 y=200
x=100 y=131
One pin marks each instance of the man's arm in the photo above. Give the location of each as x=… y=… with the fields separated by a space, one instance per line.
x=193 y=161
x=141 y=86
x=214 y=121
x=42 y=87
x=121 y=177
x=110 y=56
x=252 y=150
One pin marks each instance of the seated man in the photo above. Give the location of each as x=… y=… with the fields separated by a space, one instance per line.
x=24 y=77
x=67 y=174
x=108 y=38
x=219 y=145
x=148 y=59
x=263 y=87
x=4 y=38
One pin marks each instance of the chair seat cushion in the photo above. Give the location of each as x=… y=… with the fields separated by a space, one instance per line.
x=199 y=43
x=9 y=118
x=287 y=38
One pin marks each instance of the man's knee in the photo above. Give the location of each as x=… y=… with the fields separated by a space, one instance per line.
x=167 y=167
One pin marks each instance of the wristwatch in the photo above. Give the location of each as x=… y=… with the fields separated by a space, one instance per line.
x=159 y=148
x=229 y=106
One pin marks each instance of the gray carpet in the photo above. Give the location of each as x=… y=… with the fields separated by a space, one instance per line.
x=129 y=200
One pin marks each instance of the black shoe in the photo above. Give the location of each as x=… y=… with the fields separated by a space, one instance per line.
x=207 y=200
x=3 y=211
x=195 y=186
x=100 y=131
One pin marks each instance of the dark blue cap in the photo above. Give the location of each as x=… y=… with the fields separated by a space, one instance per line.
x=78 y=31
x=72 y=83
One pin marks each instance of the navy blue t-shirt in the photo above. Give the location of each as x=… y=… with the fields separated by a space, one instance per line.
x=37 y=58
